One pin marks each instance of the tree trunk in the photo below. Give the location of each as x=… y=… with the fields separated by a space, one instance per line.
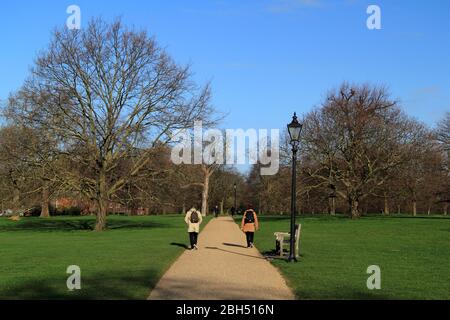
x=332 y=202
x=414 y=208
x=102 y=202
x=354 y=208
x=386 y=205
x=45 y=210
x=221 y=208
x=399 y=209
x=445 y=208
x=205 y=194
x=100 y=224
x=16 y=199
x=259 y=205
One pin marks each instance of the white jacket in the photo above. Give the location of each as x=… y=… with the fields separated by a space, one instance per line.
x=193 y=227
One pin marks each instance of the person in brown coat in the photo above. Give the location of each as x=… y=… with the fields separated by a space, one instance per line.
x=250 y=225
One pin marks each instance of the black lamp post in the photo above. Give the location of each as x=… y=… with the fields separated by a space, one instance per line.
x=235 y=198
x=295 y=129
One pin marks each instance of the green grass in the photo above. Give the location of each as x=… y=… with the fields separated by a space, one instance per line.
x=413 y=254
x=124 y=262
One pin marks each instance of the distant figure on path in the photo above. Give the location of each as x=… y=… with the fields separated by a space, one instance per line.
x=233 y=211
x=193 y=219
x=250 y=225
x=216 y=211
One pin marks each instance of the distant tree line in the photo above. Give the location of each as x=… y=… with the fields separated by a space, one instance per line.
x=360 y=154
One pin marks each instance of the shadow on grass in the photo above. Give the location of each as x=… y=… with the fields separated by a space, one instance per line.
x=75 y=225
x=181 y=245
x=138 y=285
x=343 y=293
x=273 y=255
x=102 y=286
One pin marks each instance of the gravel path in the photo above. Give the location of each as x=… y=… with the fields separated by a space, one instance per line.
x=223 y=269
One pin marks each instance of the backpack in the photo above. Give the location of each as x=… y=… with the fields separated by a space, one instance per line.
x=194 y=217
x=249 y=217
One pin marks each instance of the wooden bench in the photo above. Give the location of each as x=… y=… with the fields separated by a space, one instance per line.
x=283 y=238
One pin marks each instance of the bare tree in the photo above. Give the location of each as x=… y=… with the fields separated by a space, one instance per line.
x=443 y=132
x=13 y=170
x=113 y=93
x=443 y=138
x=207 y=170
x=357 y=137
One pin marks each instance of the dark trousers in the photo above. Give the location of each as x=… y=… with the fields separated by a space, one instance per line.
x=250 y=237
x=193 y=237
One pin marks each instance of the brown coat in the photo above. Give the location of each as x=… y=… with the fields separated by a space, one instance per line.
x=250 y=227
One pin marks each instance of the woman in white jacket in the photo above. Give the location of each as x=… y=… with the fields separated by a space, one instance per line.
x=193 y=219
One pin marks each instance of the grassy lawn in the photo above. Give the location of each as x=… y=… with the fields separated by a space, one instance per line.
x=124 y=262
x=413 y=254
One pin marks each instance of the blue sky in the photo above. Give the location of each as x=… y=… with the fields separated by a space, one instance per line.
x=266 y=58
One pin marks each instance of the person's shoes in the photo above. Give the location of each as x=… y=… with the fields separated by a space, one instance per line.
x=251 y=245
x=195 y=247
